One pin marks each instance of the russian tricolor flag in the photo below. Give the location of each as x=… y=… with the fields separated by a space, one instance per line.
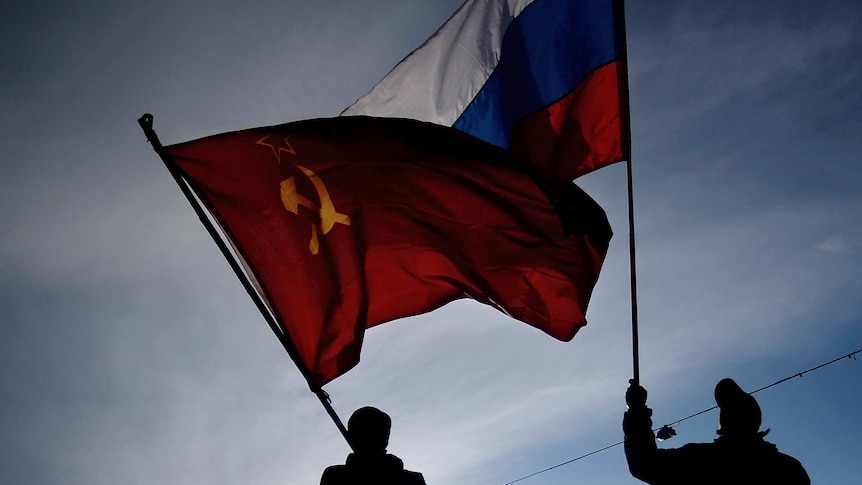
x=545 y=79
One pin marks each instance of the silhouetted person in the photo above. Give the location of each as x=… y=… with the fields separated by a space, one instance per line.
x=368 y=430
x=739 y=456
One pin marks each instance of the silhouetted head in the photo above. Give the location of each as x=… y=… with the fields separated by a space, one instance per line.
x=739 y=414
x=368 y=429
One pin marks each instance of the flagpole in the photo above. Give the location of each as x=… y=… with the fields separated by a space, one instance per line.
x=146 y=123
x=620 y=16
x=633 y=278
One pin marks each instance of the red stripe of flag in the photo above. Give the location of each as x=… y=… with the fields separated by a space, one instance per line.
x=580 y=133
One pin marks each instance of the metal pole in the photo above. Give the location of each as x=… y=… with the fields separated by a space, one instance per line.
x=633 y=278
x=625 y=123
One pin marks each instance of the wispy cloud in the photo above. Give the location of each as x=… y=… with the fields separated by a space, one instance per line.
x=131 y=354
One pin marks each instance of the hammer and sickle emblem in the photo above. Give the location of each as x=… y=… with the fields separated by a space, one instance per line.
x=292 y=200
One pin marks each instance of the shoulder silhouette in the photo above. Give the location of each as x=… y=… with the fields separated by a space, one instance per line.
x=368 y=430
x=739 y=455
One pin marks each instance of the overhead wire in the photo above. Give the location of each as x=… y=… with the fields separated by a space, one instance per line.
x=851 y=355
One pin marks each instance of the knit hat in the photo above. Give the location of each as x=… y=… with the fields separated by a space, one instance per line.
x=739 y=412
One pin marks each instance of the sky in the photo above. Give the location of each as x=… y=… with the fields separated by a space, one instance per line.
x=131 y=354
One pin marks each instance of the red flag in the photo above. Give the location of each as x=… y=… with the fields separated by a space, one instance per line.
x=346 y=223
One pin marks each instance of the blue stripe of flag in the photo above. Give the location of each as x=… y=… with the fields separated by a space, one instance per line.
x=547 y=51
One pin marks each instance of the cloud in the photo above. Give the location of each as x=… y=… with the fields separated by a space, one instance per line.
x=833 y=245
x=131 y=354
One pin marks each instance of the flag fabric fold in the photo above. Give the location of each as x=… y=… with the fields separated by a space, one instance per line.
x=545 y=79
x=349 y=222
